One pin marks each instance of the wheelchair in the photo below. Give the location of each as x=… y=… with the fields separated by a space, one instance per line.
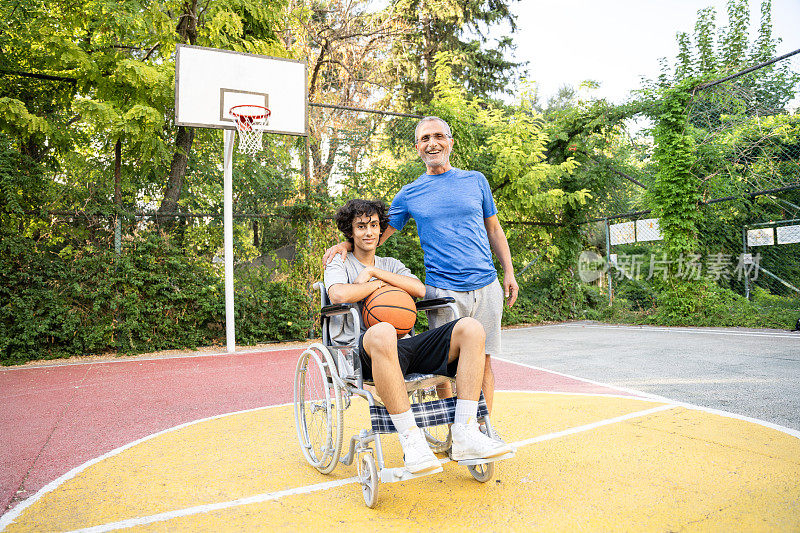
x=327 y=376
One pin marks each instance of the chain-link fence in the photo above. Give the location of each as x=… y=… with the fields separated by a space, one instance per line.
x=772 y=249
x=747 y=146
x=635 y=257
x=748 y=167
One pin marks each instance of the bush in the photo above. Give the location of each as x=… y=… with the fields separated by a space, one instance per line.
x=269 y=310
x=704 y=303
x=152 y=297
x=640 y=295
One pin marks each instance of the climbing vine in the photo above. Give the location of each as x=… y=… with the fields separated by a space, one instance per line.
x=675 y=194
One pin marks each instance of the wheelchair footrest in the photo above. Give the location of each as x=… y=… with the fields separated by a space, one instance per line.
x=470 y=462
x=392 y=475
x=426 y=414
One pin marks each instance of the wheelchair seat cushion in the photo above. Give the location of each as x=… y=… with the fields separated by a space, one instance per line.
x=428 y=414
x=425 y=353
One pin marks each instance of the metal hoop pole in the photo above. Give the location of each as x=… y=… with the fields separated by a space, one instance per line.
x=230 y=324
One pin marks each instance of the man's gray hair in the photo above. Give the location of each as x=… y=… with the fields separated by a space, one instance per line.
x=431 y=119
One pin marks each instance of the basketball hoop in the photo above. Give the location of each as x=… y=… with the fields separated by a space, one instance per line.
x=251 y=120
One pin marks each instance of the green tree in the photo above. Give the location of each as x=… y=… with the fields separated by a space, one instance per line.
x=109 y=119
x=714 y=52
x=460 y=28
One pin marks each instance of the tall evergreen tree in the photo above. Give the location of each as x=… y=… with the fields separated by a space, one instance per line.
x=459 y=27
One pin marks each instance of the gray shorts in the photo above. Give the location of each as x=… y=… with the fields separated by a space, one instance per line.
x=484 y=305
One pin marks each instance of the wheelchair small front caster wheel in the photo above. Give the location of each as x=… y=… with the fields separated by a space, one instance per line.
x=482 y=472
x=368 y=475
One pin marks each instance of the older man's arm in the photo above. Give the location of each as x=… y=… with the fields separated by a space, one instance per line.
x=499 y=244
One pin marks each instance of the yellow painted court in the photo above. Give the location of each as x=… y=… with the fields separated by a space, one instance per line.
x=585 y=462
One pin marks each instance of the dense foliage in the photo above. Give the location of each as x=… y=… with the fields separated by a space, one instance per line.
x=87 y=144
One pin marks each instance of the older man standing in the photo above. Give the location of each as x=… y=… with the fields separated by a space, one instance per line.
x=458 y=229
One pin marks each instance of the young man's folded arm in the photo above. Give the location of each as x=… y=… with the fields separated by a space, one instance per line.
x=357 y=291
x=410 y=284
x=342 y=293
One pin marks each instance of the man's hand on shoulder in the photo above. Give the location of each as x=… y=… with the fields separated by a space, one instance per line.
x=341 y=248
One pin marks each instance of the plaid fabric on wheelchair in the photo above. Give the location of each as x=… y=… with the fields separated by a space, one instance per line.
x=427 y=414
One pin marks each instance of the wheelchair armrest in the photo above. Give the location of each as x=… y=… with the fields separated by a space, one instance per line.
x=434 y=303
x=337 y=309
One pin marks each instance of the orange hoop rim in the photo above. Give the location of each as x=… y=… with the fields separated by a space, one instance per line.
x=243 y=117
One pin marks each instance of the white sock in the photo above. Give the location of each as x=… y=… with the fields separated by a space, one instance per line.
x=404 y=421
x=466 y=410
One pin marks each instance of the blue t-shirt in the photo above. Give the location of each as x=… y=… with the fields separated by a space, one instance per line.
x=450 y=209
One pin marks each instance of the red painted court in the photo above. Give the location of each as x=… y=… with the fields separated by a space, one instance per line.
x=58 y=417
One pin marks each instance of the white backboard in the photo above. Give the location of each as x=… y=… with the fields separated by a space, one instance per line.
x=209 y=81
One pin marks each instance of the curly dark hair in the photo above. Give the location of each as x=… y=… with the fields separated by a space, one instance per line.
x=359 y=208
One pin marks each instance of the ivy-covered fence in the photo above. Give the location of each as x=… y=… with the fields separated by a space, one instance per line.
x=724 y=204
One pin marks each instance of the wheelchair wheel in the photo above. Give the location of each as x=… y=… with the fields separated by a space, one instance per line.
x=482 y=472
x=318 y=408
x=368 y=475
x=438 y=437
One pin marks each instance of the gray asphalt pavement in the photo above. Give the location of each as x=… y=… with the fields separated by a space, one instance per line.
x=749 y=372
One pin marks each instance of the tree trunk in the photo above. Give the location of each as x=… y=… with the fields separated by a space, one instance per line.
x=187 y=30
x=118 y=173
x=177 y=170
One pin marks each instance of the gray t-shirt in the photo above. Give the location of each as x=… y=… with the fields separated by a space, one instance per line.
x=338 y=271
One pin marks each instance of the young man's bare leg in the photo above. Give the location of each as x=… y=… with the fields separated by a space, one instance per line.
x=380 y=343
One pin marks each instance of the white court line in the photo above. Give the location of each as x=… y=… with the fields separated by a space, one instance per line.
x=12 y=515
x=657 y=398
x=633 y=392
x=202 y=509
x=593 y=425
x=211 y=507
x=726 y=414
x=591 y=394
x=677 y=329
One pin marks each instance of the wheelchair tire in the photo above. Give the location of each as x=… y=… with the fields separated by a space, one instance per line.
x=318 y=411
x=438 y=437
x=482 y=472
x=368 y=475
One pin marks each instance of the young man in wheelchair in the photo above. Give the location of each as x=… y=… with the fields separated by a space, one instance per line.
x=455 y=349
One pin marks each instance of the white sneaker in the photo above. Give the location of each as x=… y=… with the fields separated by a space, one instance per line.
x=417 y=455
x=470 y=443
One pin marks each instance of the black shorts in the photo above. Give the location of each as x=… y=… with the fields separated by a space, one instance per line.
x=425 y=353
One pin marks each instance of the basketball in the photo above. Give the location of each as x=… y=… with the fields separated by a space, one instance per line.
x=393 y=305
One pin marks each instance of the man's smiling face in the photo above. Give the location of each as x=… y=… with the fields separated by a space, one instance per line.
x=434 y=145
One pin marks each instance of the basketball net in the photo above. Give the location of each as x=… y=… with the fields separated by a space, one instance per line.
x=251 y=120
